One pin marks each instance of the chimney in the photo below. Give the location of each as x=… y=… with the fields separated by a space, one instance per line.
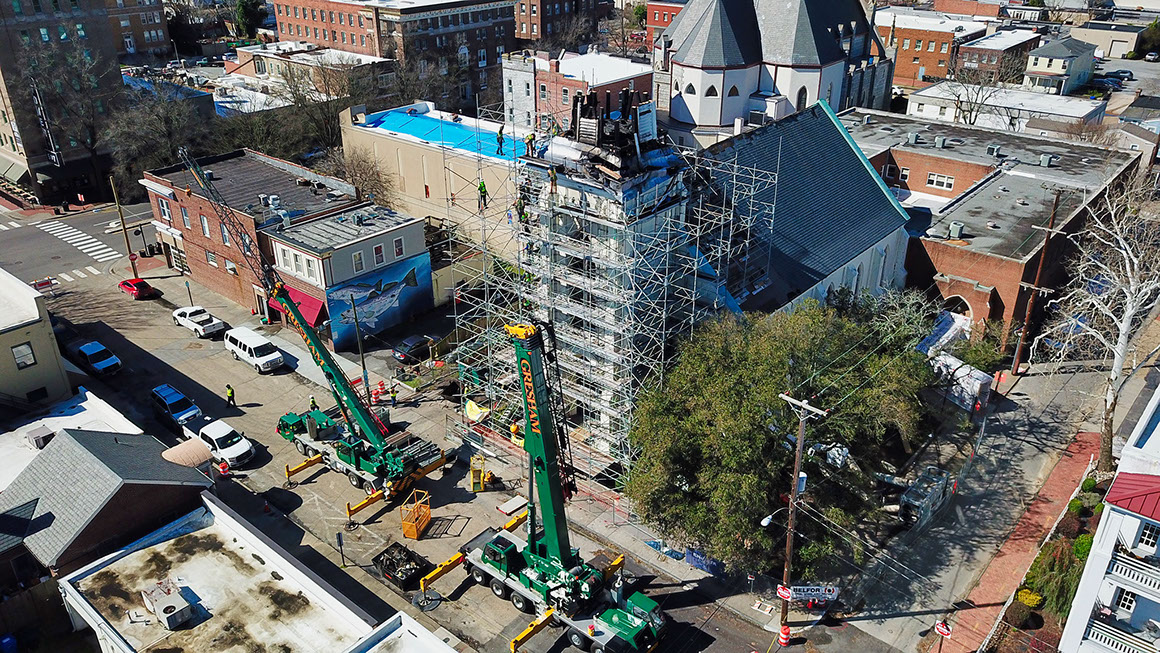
x=554 y=65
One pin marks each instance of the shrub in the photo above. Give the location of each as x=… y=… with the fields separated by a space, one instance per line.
x=1029 y=598
x=1082 y=547
x=1075 y=507
x=1017 y=614
x=1055 y=575
x=1098 y=510
x=1088 y=485
x=1090 y=499
x=1068 y=526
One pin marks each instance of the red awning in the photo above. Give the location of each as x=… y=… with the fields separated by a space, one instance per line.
x=310 y=307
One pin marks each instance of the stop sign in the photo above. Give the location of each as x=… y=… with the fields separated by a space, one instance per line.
x=132 y=257
x=943 y=628
x=784 y=592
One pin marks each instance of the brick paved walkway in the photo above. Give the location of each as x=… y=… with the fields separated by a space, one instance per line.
x=1003 y=575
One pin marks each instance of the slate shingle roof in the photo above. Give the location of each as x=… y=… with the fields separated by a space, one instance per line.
x=76 y=475
x=14 y=525
x=828 y=205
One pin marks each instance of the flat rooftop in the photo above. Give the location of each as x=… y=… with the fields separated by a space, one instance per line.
x=246 y=593
x=310 y=53
x=84 y=411
x=424 y=123
x=236 y=94
x=410 y=6
x=597 y=68
x=932 y=21
x=242 y=175
x=17 y=302
x=323 y=235
x=1001 y=210
x=1003 y=40
x=1009 y=98
x=1104 y=26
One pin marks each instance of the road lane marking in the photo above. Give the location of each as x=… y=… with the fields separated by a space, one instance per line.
x=80 y=275
x=92 y=269
x=64 y=276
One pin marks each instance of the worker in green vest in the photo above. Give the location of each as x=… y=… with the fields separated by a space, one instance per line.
x=482 y=194
x=230 y=396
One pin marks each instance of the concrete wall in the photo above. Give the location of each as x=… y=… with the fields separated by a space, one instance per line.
x=46 y=378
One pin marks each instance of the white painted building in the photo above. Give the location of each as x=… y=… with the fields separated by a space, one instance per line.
x=1006 y=109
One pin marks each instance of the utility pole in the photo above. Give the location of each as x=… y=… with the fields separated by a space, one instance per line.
x=804 y=411
x=124 y=229
x=361 y=359
x=1035 y=288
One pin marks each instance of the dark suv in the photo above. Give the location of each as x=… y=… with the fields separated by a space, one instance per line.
x=172 y=407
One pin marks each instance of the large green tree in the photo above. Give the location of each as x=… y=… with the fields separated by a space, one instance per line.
x=714 y=438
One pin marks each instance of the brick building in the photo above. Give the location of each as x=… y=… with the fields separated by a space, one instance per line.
x=331 y=70
x=258 y=189
x=434 y=35
x=537 y=20
x=926 y=42
x=540 y=89
x=977 y=200
x=999 y=56
x=138 y=27
x=981 y=8
x=659 y=16
x=42 y=161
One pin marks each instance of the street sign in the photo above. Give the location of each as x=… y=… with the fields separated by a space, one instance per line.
x=132 y=257
x=784 y=593
x=943 y=628
x=815 y=592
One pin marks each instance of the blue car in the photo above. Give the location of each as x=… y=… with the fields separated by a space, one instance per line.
x=172 y=407
x=96 y=359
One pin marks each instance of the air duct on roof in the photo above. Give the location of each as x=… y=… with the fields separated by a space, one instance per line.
x=955 y=232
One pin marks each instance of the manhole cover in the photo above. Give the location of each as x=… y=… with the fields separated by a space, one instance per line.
x=195 y=345
x=56 y=258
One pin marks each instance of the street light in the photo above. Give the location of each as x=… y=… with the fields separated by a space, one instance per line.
x=768 y=519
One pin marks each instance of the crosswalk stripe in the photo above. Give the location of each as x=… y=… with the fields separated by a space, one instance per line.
x=80 y=274
x=89 y=247
x=102 y=255
x=107 y=257
x=35 y=222
x=64 y=276
x=73 y=239
x=3 y=228
x=53 y=227
x=15 y=225
x=92 y=269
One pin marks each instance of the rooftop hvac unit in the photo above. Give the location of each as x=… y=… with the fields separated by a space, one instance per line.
x=40 y=436
x=334 y=195
x=993 y=149
x=1045 y=160
x=955 y=232
x=940 y=142
x=275 y=202
x=866 y=120
x=756 y=118
x=165 y=601
x=912 y=138
x=302 y=181
x=209 y=174
x=264 y=199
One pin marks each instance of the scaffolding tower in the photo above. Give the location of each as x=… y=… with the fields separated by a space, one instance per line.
x=622 y=269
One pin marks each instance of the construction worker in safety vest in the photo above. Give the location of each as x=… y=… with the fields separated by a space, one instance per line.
x=230 y=395
x=482 y=195
x=552 y=179
x=394 y=396
x=499 y=141
x=520 y=210
x=313 y=403
x=530 y=140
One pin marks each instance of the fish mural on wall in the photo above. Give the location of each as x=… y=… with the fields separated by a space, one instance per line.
x=382 y=298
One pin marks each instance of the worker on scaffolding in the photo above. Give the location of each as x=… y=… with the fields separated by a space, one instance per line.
x=521 y=210
x=530 y=141
x=499 y=141
x=482 y=194
x=552 y=178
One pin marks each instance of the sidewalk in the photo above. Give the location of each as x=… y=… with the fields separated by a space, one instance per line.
x=1005 y=572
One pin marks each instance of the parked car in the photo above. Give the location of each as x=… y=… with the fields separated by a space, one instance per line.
x=413 y=349
x=253 y=349
x=95 y=358
x=202 y=61
x=224 y=443
x=174 y=64
x=138 y=289
x=1152 y=56
x=172 y=407
x=199 y=321
x=1123 y=75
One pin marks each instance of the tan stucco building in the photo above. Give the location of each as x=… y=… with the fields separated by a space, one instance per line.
x=31 y=369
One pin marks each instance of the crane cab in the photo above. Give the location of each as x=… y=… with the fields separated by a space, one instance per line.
x=503 y=555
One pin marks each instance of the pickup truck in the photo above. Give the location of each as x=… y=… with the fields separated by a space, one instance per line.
x=199 y=321
x=224 y=443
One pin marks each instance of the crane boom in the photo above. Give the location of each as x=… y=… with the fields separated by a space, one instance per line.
x=357 y=414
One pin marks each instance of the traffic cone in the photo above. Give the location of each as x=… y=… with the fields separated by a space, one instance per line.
x=783 y=638
x=224 y=469
x=266 y=507
x=382 y=387
x=375 y=394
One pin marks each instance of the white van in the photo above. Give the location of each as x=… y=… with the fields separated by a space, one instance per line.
x=253 y=348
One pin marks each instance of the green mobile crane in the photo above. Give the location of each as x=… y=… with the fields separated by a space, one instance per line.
x=543 y=573
x=375 y=460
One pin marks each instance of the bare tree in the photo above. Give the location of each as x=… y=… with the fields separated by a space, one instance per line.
x=1102 y=134
x=359 y=167
x=975 y=87
x=77 y=88
x=270 y=131
x=434 y=76
x=319 y=92
x=1114 y=286
x=569 y=34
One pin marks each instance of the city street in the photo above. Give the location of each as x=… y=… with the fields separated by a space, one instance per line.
x=154 y=351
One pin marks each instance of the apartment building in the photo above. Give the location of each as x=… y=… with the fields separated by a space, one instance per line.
x=31 y=369
x=329 y=68
x=539 y=20
x=659 y=16
x=926 y=43
x=1001 y=56
x=139 y=27
x=540 y=90
x=42 y=157
x=1061 y=67
x=433 y=35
